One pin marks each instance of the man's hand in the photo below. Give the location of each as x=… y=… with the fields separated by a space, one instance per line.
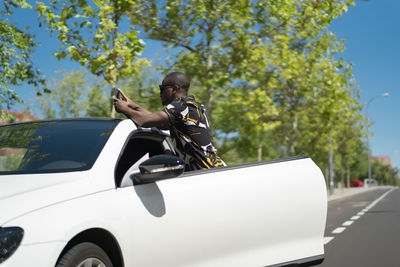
x=121 y=105
x=125 y=98
x=139 y=115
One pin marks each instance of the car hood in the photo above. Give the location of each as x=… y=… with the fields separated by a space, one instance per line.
x=23 y=193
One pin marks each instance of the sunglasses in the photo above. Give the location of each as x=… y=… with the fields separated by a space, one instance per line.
x=164 y=86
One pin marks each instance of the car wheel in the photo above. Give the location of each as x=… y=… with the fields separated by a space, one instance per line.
x=85 y=255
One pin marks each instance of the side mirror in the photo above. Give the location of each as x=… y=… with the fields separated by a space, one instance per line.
x=159 y=168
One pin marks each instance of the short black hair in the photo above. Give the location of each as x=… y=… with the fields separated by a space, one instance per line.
x=178 y=78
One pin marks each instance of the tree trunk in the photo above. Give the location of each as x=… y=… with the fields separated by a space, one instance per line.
x=292 y=138
x=112 y=84
x=209 y=104
x=260 y=150
x=113 y=81
x=277 y=146
x=348 y=174
x=210 y=88
x=331 y=168
x=342 y=177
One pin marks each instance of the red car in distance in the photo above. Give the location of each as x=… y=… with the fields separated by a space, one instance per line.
x=357 y=183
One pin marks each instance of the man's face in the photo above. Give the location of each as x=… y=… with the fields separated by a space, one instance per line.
x=167 y=93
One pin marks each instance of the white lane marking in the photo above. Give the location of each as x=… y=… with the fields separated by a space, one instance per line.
x=347 y=223
x=338 y=230
x=379 y=199
x=328 y=239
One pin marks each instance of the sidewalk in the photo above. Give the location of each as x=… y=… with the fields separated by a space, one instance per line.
x=346 y=192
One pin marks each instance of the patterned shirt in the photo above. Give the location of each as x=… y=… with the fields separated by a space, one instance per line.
x=191 y=134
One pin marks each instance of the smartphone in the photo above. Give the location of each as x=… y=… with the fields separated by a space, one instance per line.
x=117 y=93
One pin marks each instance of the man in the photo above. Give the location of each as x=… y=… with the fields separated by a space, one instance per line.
x=183 y=116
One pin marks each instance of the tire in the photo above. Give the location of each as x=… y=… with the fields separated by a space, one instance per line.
x=85 y=254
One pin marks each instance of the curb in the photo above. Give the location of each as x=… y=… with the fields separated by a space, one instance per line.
x=347 y=192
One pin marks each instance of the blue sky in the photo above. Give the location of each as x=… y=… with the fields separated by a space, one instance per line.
x=372 y=33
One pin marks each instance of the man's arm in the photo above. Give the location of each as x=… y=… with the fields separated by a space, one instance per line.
x=132 y=104
x=141 y=116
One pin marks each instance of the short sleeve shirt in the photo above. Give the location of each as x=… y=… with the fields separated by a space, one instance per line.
x=191 y=133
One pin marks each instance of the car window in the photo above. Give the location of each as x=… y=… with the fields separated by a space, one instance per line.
x=141 y=146
x=52 y=146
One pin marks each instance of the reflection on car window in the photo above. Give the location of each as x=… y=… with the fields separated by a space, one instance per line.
x=11 y=158
x=52 y=146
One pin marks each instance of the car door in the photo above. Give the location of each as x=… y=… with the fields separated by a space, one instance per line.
x=235 y=216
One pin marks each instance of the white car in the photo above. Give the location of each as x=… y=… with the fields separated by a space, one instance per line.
x=92 y=192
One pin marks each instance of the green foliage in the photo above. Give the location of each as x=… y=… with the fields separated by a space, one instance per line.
x=143 y=89
x=16 y=66
x=267 y=71
x=90 y=33
x=269 y=66
x=248 y=114
x=212 y=38
x=97 y=102
x=67 y=93
x=385 y=175
x=77 y=94
x=295 y=86
x=311 y=89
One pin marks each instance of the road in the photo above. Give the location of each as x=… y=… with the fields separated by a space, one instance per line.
x=364 y=230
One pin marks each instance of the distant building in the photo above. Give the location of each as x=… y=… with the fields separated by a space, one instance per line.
x=384 y=160
x=19 y=116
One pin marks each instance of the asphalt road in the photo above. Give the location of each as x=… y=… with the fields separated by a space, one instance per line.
x=364 y=230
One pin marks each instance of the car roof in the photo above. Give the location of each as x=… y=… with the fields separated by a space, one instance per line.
x=63 y=119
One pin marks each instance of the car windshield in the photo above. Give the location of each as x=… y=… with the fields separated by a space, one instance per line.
x=52 y=146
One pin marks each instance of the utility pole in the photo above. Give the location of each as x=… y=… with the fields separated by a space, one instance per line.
x=331 y=173
x=368 y=143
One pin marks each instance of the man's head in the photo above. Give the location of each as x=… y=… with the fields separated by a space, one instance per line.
x=175 y=84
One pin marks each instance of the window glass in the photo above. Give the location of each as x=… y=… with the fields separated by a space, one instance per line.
x=52 y=146
x=135 y=149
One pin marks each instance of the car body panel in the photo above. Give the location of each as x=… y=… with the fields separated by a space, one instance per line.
x=33 y=255
x=252 y=215
x=183 y=219
x=243 y=216
x=22 y=193
x=56 y=188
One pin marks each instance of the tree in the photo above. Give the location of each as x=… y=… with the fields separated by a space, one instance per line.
x=143 y=88
x=359 y=165
x=96 y=104
x=91 y=33
x=248 y=113
x=212 y=38
x=78 y=93
x=16 y=66
x=309 y=86
x=292 y=62
x=67 y=93
x=384 y=174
